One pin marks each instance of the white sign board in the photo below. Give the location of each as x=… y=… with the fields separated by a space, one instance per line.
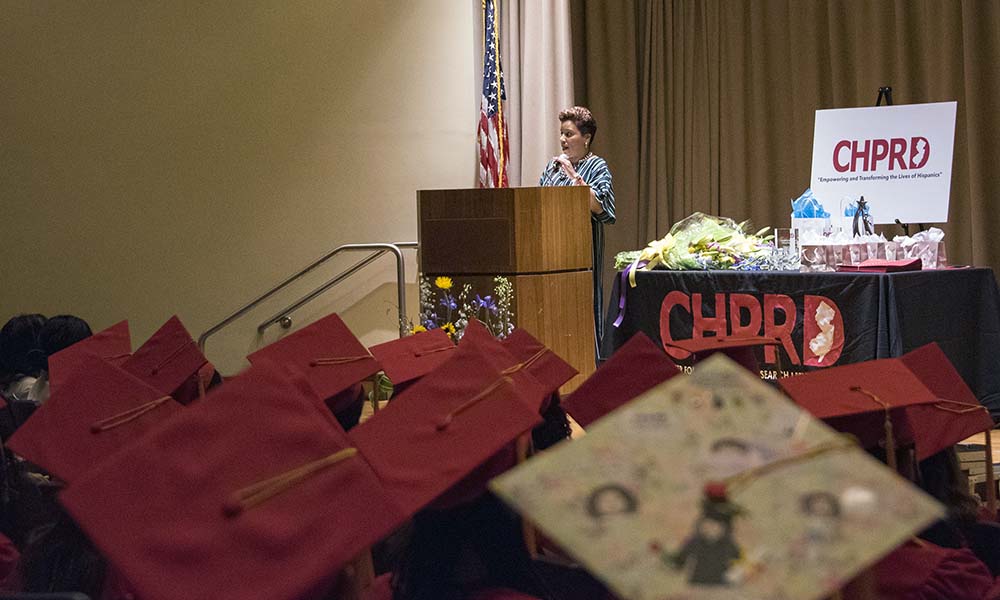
x=897 y=157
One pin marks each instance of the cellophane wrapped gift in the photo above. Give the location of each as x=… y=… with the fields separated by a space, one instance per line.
x=927 y=245
x=823 y=253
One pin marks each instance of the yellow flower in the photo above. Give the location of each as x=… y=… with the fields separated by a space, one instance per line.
x=418 y=329
x=443 y=282
x=449 y=328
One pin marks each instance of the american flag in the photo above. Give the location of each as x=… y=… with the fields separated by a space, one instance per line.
x=494 y=150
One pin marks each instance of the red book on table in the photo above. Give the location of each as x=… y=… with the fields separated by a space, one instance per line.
x=878 y=265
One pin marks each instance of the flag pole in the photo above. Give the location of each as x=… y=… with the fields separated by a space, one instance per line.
x=500 y=121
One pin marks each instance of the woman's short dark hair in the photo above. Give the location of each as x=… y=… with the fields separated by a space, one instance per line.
x=61 y=332
x=18 y=345
x=581 y=117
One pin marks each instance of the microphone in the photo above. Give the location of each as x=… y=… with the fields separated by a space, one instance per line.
x=555 y=165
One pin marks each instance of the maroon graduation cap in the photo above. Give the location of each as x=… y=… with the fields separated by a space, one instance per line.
x=168 y=359
x=113 y=344
x=99 y=409
x=252 y=493
x=445 y=426
x=636 y=367
x=327 y=354
x=888 y=394
x=541 y=362
x=409 y=358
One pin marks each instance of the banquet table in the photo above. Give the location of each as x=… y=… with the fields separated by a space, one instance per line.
x=822 y=319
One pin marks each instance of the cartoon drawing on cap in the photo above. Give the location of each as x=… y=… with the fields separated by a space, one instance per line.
x=731 y=455
x=611 y=499
x=711 y=551
x=822 y=512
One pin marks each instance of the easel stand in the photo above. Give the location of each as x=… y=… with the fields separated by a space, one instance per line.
x=885 y=93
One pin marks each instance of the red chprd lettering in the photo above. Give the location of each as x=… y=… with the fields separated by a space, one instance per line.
x=716 y=324
x=880 y=151
x=673 y=299
x=841 y=167
x=860 y=154
x=740 y=304
x=897 y=152
x=870 y=155
x=783 y=331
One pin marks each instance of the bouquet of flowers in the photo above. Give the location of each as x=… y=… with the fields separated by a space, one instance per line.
x=702 y=242
x=444 y=307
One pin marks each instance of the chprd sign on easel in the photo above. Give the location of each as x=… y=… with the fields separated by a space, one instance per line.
x=897 y=157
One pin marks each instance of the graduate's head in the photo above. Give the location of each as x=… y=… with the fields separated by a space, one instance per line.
x=61 y=332
x=941 y=476
x=19 y=350
x=554 y=428
x=577 y=129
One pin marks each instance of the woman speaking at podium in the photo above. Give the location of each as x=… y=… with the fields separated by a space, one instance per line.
x=577 y=165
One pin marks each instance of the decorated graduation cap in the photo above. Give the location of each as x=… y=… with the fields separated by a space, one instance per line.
x=714 y=486
x=168 y=358
x=326 y=353
x=411 y=357
x=540 y=361
x=739 y=349
x=444 y=426
x=254 y=493
x=113 y=344
x=99 y=409
x=885 y=401
x=633 y=369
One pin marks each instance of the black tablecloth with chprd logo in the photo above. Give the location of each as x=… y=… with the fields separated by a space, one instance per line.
x=823 y=319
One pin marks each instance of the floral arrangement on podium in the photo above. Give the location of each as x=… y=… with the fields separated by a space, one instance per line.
x=444 y=305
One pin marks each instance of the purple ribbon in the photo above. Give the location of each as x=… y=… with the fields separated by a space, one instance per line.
x=623 y=289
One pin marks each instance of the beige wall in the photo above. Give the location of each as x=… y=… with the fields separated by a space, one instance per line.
x=179 y=157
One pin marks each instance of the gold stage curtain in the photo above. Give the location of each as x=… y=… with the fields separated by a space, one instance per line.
x=709 y=105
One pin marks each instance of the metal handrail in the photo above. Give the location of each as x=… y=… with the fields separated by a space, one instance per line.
x=380 y=248
x=282 y=315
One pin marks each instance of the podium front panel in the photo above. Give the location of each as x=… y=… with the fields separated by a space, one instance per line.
x=504 y=231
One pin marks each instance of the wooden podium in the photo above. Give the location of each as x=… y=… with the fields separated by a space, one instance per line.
x=539 y=238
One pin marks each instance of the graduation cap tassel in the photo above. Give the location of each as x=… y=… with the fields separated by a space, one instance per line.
x=527 y=363
x=262 y=491
x=472 y=401
x=174 y=354
x=890 y=438
x=722 y=489
x=336 y=360
x=434 y=350
x=127 y=416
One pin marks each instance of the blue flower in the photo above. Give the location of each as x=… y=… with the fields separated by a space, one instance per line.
x=486 y=303
x=448 y=302
x=430 y=324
